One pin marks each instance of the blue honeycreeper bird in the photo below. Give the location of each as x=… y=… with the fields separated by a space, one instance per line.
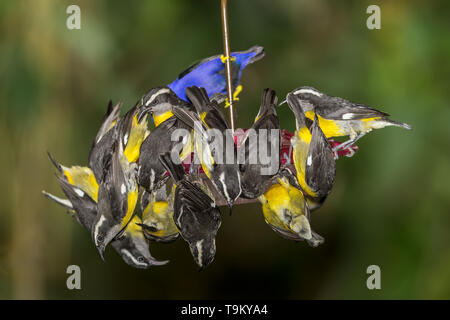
x=210 y=74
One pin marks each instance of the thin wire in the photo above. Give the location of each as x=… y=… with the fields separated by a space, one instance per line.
x=226 y=47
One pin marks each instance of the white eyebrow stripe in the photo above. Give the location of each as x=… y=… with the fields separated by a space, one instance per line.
x=311 y=91
x=224 y=185
x=200 y=251
x=129 y=255
x=153 y=97
x=97 y=226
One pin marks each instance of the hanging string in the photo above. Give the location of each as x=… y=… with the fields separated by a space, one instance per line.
x=226 y=59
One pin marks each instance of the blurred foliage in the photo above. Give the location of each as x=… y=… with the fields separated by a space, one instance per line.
x=390 y=204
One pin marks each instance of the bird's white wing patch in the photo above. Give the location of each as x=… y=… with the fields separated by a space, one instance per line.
x=309 y=160
x=79 y=192
x=348 y=116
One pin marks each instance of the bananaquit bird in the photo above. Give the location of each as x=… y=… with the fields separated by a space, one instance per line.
x=339 y=117
x=159 y=101
x=117 y=198
x=133 y=132
x=255 y=179
x=210 y=74
x=157 y=216
x=313 y=157
x=118 y=189
x=195 y=214
x=286 y=212
x=161 y=139
x=224 y=174
x=81 y=189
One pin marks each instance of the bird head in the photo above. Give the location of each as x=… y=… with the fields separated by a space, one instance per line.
x=229 y=184
x=300 y=225
x=305 y=93
x=134 y=250
x=103 y=232
x=158 y=100
x=203 y=251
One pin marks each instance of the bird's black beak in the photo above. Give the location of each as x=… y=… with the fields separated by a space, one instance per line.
x=142 y=113
x=101 y=251
x=230 y=205
x=154 y=262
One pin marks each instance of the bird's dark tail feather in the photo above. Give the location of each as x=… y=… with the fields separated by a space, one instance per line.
x=398 y=124
x=259 y=53
x=198 y=97
x=268 y=99
x=176 y=171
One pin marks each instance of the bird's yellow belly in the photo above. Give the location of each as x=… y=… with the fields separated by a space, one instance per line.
x=131 y=204
x=330 y=128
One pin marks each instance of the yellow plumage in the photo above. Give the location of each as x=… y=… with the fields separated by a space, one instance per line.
x=284 y=208
x=82 y=178
x=158 y=216
x=160 y=118
x=131 y=205
x=138 y=133
x=300 y=143
x=329 y=127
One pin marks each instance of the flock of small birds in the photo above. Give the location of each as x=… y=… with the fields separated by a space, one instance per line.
x=133 y=192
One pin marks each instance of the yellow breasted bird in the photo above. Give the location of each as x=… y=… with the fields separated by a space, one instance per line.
x=214 y=143
x=118 y=188
x=157 y=216
x=195 y=214
x=286 y=212
x=257 y=175
x=117 y=198
x=159 y=101
x=134 y=130
x=339 y=117
x=312 y=155
x=81 y=189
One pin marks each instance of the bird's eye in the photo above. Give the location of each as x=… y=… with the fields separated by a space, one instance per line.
x=141 y=259
x=99 y=239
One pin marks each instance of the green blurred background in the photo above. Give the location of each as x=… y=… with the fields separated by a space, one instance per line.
x=391 y=202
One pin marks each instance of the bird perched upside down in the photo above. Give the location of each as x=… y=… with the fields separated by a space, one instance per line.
x=195 y=214
x=157 y=216
x=286 y=212
x=313 y=157
x=255 y=174
x=118 y=188
x=211 y=135
x=81 y=189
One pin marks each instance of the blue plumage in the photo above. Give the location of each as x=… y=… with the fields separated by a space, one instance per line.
x=210 y=74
